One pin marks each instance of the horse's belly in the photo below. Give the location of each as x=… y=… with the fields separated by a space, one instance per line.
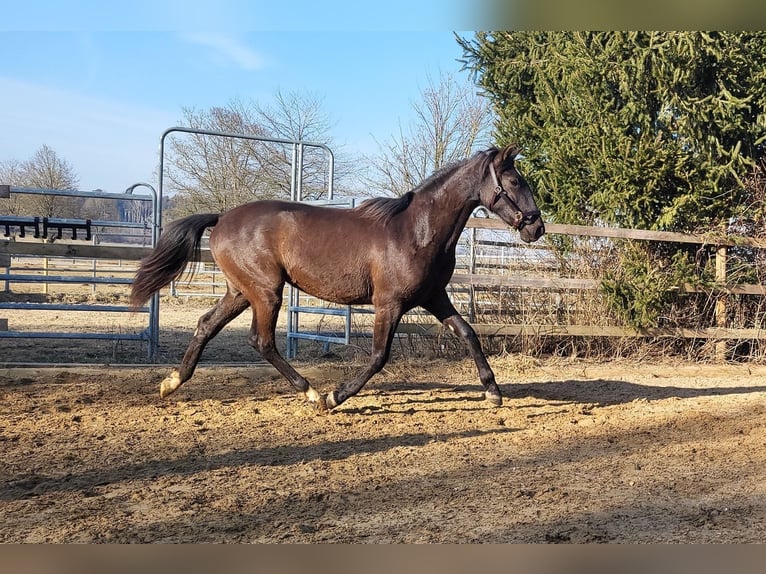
x=338 y=287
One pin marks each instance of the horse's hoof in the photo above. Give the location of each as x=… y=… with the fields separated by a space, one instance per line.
x=319 y=405
x=170 y=384
x=330 y=400
x=494 y=400
x=316 y=400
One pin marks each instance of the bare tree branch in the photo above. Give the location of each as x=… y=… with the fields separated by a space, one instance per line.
x=451 y=121
x=44 y=170
x=213 y=174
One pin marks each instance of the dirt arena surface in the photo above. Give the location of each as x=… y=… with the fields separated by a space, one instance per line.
x=579 y=452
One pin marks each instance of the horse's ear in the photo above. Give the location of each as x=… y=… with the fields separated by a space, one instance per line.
x=509 y=152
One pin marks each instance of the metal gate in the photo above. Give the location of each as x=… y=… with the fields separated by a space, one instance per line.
x=68 y=231
x=295 y=306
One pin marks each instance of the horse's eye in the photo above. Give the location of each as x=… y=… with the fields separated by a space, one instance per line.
x=514 y=182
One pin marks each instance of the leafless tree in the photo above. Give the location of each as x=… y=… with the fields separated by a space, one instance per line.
x=44 y=170
x=451 y=122
x=300 y=117
x=10 y=174
x=213 y=173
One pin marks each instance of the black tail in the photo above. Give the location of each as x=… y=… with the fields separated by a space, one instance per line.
x=178 y=244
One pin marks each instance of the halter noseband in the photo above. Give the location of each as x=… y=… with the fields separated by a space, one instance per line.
x=521 y=218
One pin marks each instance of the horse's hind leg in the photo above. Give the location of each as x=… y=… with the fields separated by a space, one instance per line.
x=265 y=313
x=208 y=326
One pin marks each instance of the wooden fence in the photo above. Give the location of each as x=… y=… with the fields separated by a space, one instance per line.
x=723 y=288
x=475 y=279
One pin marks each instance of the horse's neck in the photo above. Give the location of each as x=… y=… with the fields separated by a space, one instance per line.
x=442 y=215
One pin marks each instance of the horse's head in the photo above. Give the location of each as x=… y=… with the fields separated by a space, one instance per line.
x=507 y=194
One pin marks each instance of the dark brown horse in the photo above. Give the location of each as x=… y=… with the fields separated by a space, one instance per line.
x=393 y=253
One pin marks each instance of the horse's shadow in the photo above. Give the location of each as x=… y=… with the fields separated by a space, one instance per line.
x=439 y=396
x=607 y=392
x=597 y=392
x=420 y=403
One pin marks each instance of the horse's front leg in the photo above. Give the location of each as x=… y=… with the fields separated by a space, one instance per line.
x=443 y=309
x=386 y=320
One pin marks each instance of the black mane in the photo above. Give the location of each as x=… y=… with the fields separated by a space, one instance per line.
x=383 y=209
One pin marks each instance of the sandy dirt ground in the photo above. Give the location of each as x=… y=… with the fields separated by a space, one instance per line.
x=579 y=452
x=650 y=451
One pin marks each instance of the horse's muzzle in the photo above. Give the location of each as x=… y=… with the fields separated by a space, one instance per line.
x=531 y=231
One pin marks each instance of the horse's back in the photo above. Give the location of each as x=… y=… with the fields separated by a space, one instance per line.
x=304 y=224
x=324 y=251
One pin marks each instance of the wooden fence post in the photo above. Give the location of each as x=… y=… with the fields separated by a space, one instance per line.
x=720 y=303
x=5 y=261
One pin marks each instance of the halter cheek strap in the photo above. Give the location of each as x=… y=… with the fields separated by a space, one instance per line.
x=521 y=218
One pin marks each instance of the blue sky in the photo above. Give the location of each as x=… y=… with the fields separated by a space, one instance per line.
x=100 y=87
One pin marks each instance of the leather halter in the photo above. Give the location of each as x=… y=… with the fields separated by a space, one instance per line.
x=521 y=218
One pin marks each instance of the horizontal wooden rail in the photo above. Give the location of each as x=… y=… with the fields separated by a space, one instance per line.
x=81 y=250
x=512 y=330
x=135 y=253
x=559 y=283
x=129 y=252
x=478 y=280
x=618 y=233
